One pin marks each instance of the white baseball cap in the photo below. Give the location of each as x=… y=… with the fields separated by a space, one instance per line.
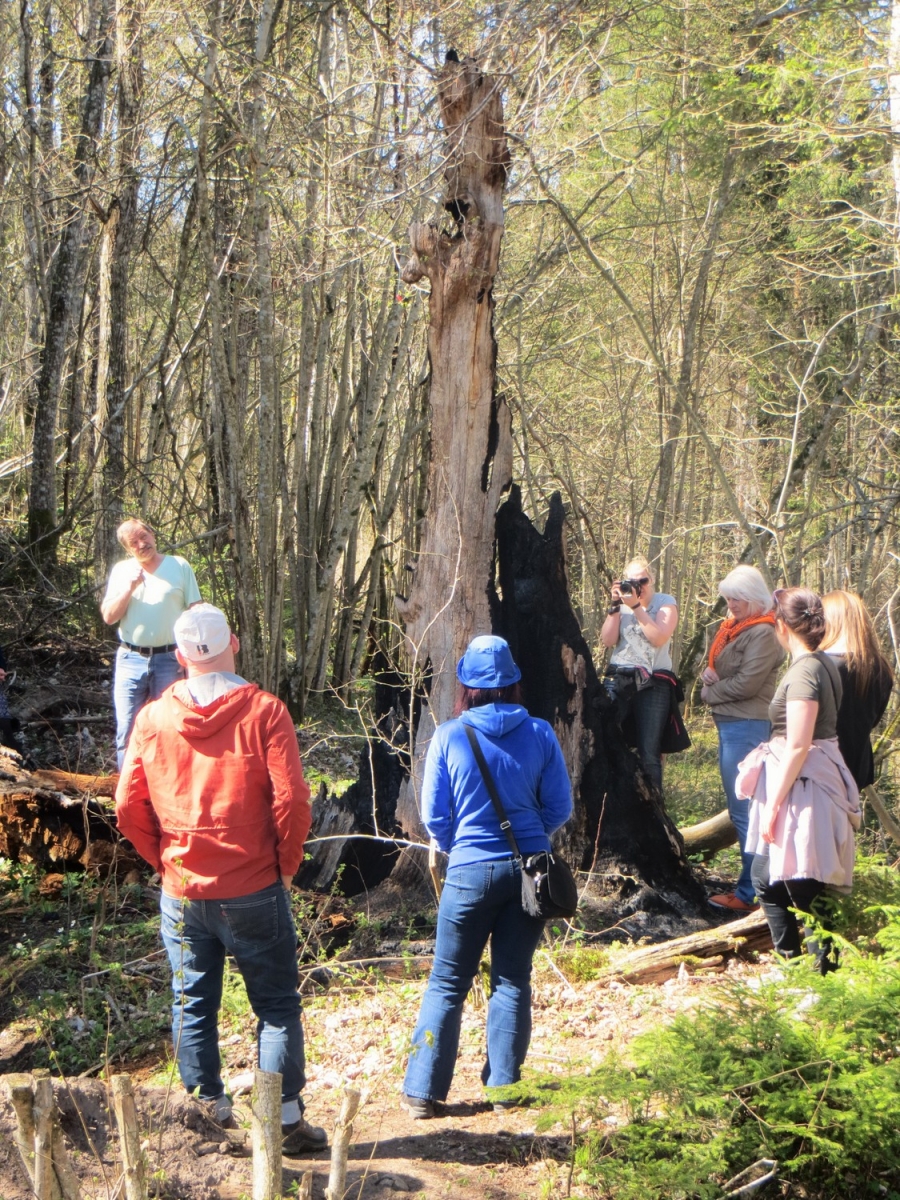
x=202 y=633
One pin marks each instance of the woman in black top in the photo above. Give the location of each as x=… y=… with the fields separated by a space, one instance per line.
x=866 y=677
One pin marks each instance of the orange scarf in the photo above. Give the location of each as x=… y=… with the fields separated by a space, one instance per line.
x=730 y=629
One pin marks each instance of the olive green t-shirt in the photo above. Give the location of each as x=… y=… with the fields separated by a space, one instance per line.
x=811 y=677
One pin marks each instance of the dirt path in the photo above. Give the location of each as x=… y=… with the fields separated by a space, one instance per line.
x=358 y=1033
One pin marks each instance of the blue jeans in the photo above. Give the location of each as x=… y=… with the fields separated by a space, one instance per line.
x=137 y=680
x=258 y=931
x=479 y=901
x=736 y=740
x=651 y=707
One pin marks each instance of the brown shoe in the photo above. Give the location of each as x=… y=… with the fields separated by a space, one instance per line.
x=302 y=1138
x=732 y=902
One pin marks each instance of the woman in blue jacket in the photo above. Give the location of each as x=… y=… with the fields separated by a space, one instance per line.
x=482 y=895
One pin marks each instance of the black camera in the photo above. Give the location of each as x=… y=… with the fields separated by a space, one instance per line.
x=627 y=586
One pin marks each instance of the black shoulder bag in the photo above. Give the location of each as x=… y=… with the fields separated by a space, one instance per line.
x=548 y=885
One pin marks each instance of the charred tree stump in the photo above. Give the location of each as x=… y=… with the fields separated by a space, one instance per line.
x=620 y=830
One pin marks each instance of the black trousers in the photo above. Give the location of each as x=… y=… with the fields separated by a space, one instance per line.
x=777 y=899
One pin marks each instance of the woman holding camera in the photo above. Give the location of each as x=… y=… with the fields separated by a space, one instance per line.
x=738 y=685
x=866 y=675
x=639 y=625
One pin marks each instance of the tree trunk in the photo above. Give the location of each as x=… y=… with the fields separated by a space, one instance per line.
x=42 y=515
x=118 y=239
x=471 y=443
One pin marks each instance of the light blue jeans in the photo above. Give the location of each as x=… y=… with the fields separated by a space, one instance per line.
x=137 y=680
x=480 y=901
x=258 y=931
x=736 y=740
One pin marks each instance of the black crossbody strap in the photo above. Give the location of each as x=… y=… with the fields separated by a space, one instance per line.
x=492 y=789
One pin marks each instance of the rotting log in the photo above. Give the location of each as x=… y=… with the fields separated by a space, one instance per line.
x=54 y=820
x=710 y=836
x=340 y=1145
x=71 y=783
x=265 y=1134
x=655 y=964
x=133 y=1163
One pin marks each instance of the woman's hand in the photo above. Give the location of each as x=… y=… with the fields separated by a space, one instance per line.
x=768 y=820
x=710 y=675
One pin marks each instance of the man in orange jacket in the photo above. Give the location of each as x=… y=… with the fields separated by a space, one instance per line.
x=212 y=795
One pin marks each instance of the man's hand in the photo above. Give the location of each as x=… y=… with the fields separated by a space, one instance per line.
x=710 y=676
x=286 y=882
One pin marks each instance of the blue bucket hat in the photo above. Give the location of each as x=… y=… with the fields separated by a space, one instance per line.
x=487 y=663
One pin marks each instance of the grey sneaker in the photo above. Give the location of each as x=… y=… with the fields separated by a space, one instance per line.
x=418 y=1107
x=302 y=1138
x=220 y=1112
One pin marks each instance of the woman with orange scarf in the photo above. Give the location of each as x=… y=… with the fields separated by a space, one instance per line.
x=737 y=685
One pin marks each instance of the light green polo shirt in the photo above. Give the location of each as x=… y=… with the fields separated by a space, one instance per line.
x=158 y=602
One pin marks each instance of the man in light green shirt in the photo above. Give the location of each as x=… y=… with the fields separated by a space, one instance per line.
x=146 y=594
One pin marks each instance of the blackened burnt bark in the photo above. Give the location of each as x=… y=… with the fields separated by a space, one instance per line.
x=620 y=829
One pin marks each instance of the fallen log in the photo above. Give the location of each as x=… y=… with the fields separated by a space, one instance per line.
x=655 y=964
x=709 y=836
x=74 y=784
x=55 y=820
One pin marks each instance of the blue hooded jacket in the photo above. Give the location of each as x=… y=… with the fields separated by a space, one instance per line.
x=529 y=771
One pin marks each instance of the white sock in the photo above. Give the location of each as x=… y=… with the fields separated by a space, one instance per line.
x=290 y=1112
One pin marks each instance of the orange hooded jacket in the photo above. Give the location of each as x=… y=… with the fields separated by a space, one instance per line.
x=213 y=796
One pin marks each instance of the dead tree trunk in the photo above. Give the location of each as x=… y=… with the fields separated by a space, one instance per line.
x=471 y=455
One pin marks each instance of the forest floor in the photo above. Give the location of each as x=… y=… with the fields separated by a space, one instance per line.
x=84 y=990
x=358 y=1034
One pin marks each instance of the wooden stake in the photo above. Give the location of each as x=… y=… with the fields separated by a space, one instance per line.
x=265 y=1134
x=21 y=1097
x=305 y=1191
x=46 y=1186
x=133 y=1163
x=340 y=1146
x=62 y=1164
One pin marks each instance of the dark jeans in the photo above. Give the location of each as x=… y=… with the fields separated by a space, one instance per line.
x=258 y=930
x=651 y=707
x=777 y=899
x=480 y=901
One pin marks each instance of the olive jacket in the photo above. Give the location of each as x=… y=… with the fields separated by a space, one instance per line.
x=747 y=669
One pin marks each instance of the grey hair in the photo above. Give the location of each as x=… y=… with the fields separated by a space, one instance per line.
x=747 y=583
x=131 y=523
